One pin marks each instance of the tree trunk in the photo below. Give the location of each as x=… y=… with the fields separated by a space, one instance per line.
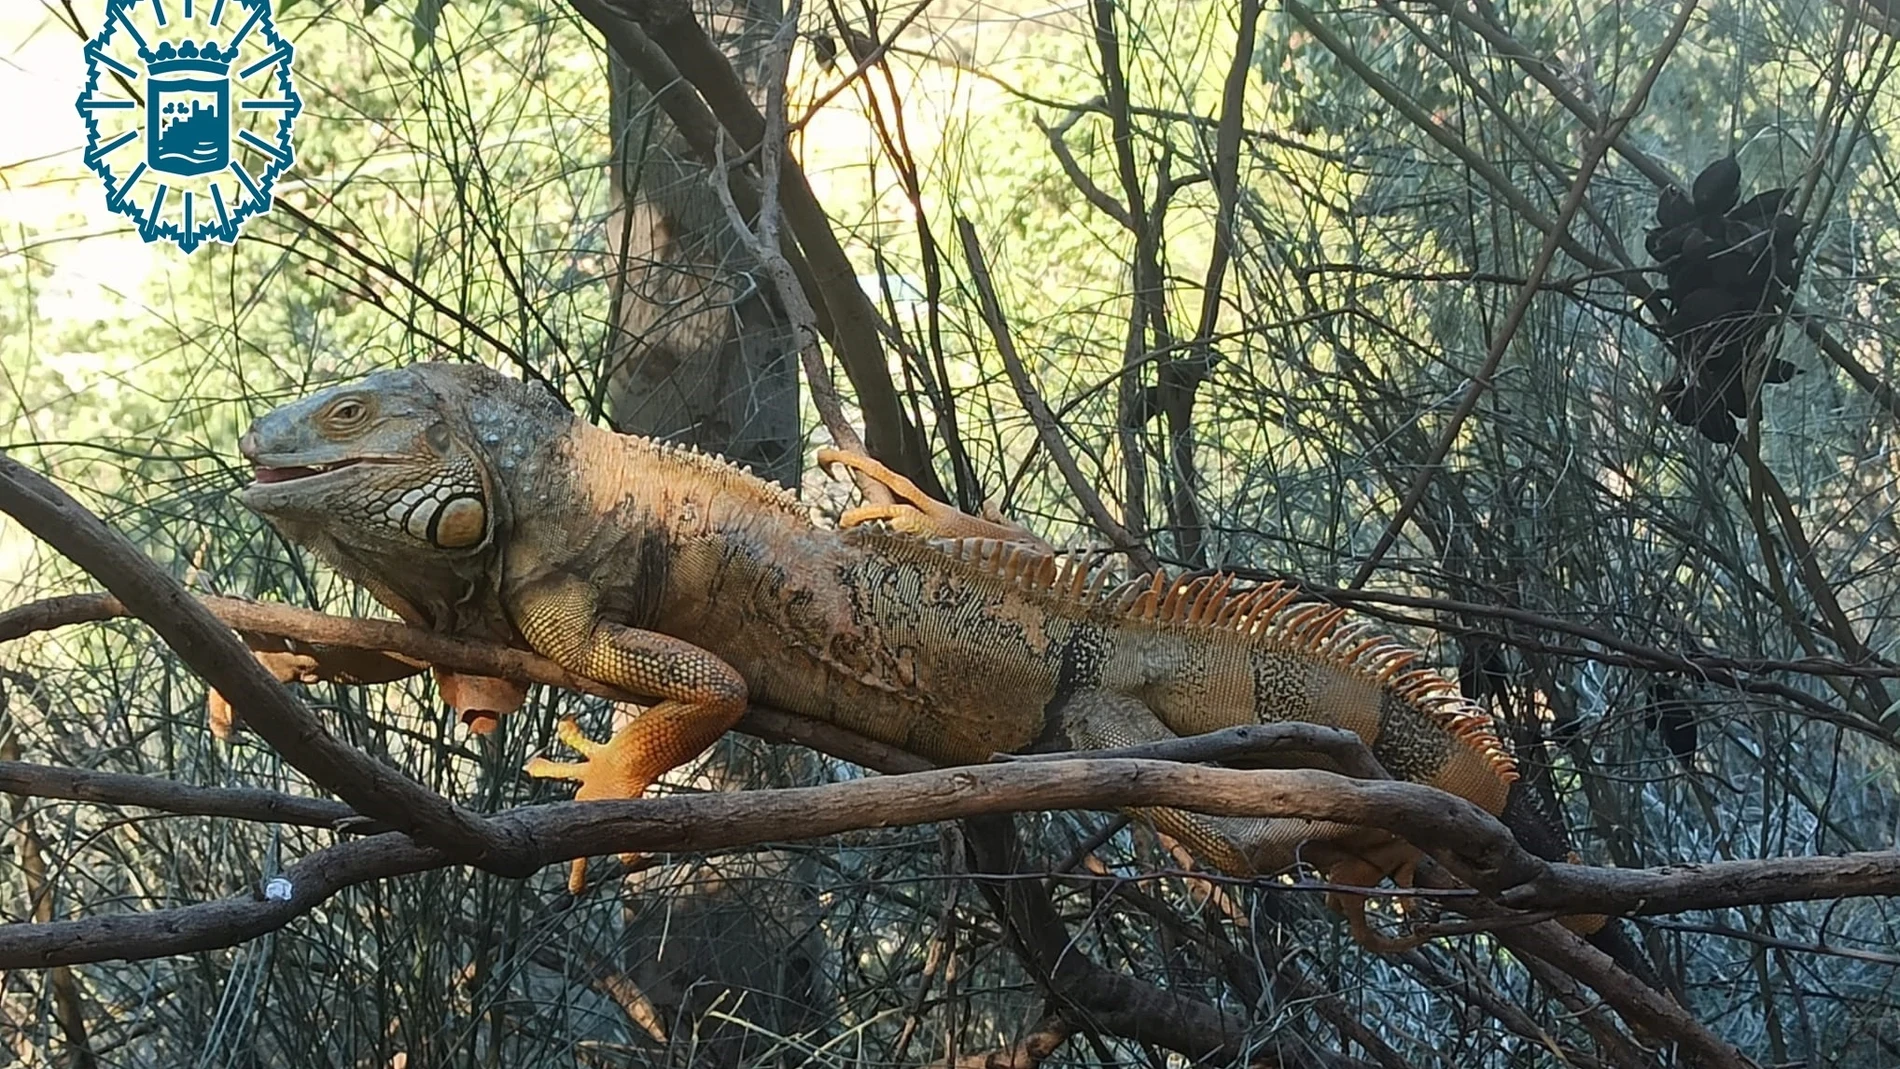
x=700 y=351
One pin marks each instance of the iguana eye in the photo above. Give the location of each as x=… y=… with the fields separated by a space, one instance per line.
x=346 y=413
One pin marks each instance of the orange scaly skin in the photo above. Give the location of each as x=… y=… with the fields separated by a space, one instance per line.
x=477 y=505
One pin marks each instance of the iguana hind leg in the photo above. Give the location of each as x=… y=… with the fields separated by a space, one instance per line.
x=701 y=696
x=1098 y=720
x=917 y=513
x=1240 y=846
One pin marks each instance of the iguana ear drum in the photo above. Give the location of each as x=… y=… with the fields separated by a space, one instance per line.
x=460 y=522
x=457 y=522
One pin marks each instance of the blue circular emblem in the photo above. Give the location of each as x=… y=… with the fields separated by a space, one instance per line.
x=188 y=106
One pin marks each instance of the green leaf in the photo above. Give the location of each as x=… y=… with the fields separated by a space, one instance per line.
x=428 y=16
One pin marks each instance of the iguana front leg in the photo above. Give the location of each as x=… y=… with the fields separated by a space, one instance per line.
x=917 y=513
x=701 y=696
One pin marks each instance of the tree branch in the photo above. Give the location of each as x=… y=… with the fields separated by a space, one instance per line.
x=1246 y=741
x=202 y=642
x=721 y=821
x=1561 y=888
x=1715 y=885
x=25 y=779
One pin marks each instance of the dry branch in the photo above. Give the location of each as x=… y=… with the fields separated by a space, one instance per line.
x=555 y=833
x=1234 y=744
x=27 y=780
x=210 y=925
x=708 y=822
x=1716 y=885
x=1558 y=888
x=373 y=789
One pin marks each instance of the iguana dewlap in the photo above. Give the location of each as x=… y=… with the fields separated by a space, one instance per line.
x=477 y=505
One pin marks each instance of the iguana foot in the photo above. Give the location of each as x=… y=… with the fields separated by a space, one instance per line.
x=568 y=732
x=917 y=513
x=606 y=770
x=1361 y=873
x=622 y=767
x=294 y=661
x=284 y=667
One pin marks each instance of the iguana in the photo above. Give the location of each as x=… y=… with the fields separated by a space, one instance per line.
x=478 y=505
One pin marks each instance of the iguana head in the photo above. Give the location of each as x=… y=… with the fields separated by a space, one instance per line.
x=381 y=464
x=394 y=479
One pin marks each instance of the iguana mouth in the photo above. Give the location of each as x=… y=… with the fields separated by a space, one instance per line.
x=264 y=473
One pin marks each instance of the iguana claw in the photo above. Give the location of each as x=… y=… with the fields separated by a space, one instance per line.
x=607 y=770
x=1366 y=873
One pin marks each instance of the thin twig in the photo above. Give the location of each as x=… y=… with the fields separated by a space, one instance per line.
x=27 y=780
x=1048 y=431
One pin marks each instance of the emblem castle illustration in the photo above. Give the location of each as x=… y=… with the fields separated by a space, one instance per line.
x=188 y=110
